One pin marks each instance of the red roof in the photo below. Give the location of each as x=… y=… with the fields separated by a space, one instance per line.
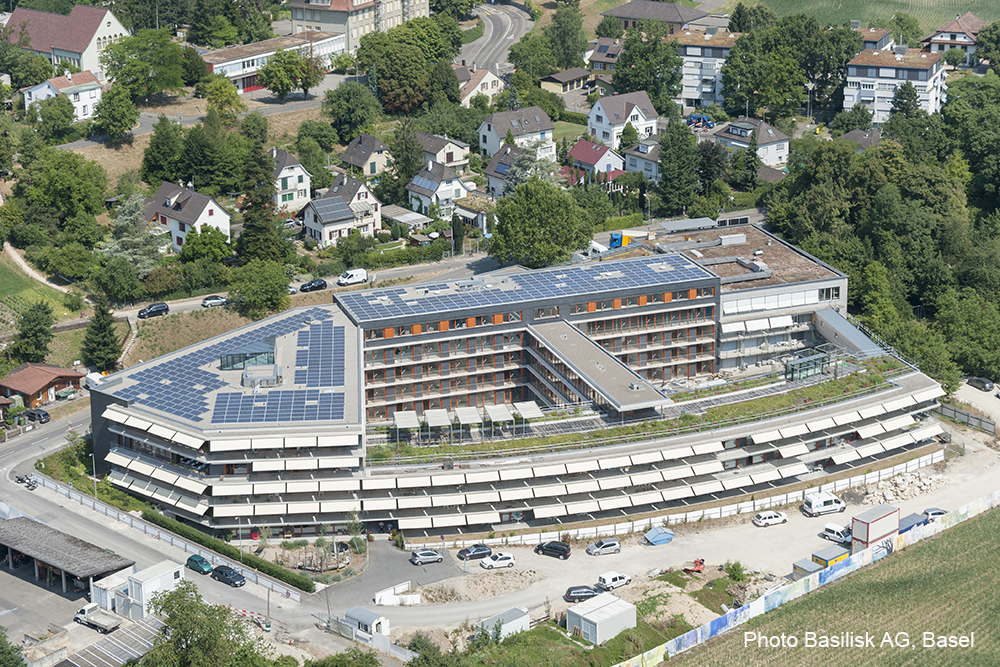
x=30 y=379
x=62 y=82
x=968 y=23
x=72 y=33
x=587 y=152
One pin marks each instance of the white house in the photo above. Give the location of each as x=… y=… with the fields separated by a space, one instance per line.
x=436 y=184
x=644 y=158
x=82 y=89
x=475 y=80
x=609 y=115
x=242 y=62
x=179 y=210
x=292 y=182
x=348 y=204
x=874 y=76
x=76 y=39
x=447 y=151
x=595 y=157
x=704 y=54
x=496 y=170
x=772 y=144
x=962 y=33
x=529 y=126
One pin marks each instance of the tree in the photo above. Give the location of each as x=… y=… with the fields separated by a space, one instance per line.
x=133 y=237
x=313 y=159
x=988 y=45
x=10 y=655
x=442 y=86
x=678 y=185
x=745 y=176
x=629 y=136
x=858 y=118
x=454 y=8
x=508 y=139
x=527 y=165
x=34 y=332
x=222 y=96
x=280 y=73
x=533 y=54
x=407 y=159
x=254 y=128
x=650 y=62
x=209 y=243
x=259 y=287
x=353 y=108
x=6 y=142
x=65 y=181
x=566 y=37
x=538 y=225
x=256 y=28
x=310 y=74
x=27 y=69
x=204 y=24
x=425 y=34
x=148 y=63
x=161 y=159
x=198 y=157
x=955 y=57
x=352 y=657
x=343 y=62
x=762 y=73
x=825 y=54
x=261 y=238
x=322 y=133
x=402 y=78
x=101 y=346
x=116 y=114
x=610 y=28
x=193 y=66
x=713 y=163
x=119 y=279
x=905 y=101
x=753 y=17
x=53 y=116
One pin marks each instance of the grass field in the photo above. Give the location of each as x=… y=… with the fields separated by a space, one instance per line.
x=948 y=585
x=570 y=131
x=18 y=291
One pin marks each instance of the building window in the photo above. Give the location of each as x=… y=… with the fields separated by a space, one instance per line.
x=599 y=118
x=546 y=312
x=829 y=294
x=301 y=177
x=605 y=135
x=211 y=212
x=180 y=241
x=301 y=193
x=181 y=227
x=84 y=109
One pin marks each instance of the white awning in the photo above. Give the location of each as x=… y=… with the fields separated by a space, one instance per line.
x=646 y=498
x=846 y=455
x=821 y=424
x=191 y=504
x=189 y=484
x=767 y=436
x=588 y=465
x=300 y=442
x=378 y=504
x=797 y=449
x=269 y=488
x=735 y=481
x=229 y=445
x=764 y=476
x=550 y=511
x=161 y=432
x=233 y=510
x=340 y=462
x=528 y=410
x=114 y=458
x=137 y=423
x=119 y=479
x=678 y=453
x=709 y=447
x=477 y=518
x=437 y=418
x=339 y=484
x=232 y=490
x=114 y=415
x=848 y=418
x=733 y=327
x=870 y=431
x=550 y=491
x=869 y=450
x=448 y=479
x=871 y=411
x=164 y=476
x=141 y=468
x=516 y=473
x=468 y=416
x=702 y=488
x=188 y=441
x=482 y=497
x=781 y=321
x=482 y=477
x=381 y=483
x=676 y=472
x=646 y=478
x=341 y=440
x=758 y=325
x=897 y=423
x=792 y=469
x=414 y=523
x=267 y=443
x=899 y=403
x=927 y=432
x=649 y=457
x=522 y=493
x=928 y=394
x=549 y=471
x=499 y=413
x=792 y=431
x=450 y=520
x=270 y=465
x=707 y=467
x=583 y=508
x=897 y=441
x=406 y=419
x=614 y=503
x=301 y=464
x=615 y=462
x=583 y=486
x=303 y=508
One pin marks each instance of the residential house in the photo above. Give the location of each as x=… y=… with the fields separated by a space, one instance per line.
x=496 y=170
x=476 y=211
x=567 y=81
x=874 y=76
x=606 y=179
x=75 y=39
x=179 y=210
x=864 y=139
x=644 y=158
x=529 y=126
x=770 y=174
x=675 y=16
x=368 y=156
x=353 y=18
x=348 y=204
x=241 y=63
x=445 y=150
x=436 y=185
x=604 y=85
x=874 y=38
x=82 y=89
x=39 y=384
x=605 y=55
x=475 y=80
x=292 y=183
x=772 y=144
x=962 y=33
x=609 y=115
x=704 y=54
x=596 y=158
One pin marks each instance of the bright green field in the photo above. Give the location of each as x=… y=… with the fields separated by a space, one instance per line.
x=930 y=13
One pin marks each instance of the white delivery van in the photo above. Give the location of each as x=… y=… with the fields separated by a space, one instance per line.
x=822 y=503
x=612 y=580
x=353 y=277
x=836 y=533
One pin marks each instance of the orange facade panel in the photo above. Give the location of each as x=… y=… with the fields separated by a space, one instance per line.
x=616 y=303
x=388 y=332
x=498 y=319
x=443 y=325
x=692 y=294
x=470 y=322
x=592 y=307
x=416 y=329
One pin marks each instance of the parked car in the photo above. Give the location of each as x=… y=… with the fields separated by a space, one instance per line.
x=213 y=301
x=558 y=550
x=292 y=290
x=421 y=556
x=981 y=384
x=579 y=593
x=836 y=533
x=608 y=545
x=154 y=310
x=475 y=552
x=199 y=564
x=228 y=575
x=933 y=514
x=38 y=415
x=822 y=503
x=609 y=581
x=769 y=518
x=499 y=559
x=313 y=286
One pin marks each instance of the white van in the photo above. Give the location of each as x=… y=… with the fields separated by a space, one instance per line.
x=353 y=277
x=836 y=533
x=609 y=581
x=822 y=503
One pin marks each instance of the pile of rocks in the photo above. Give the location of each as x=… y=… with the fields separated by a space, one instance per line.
x=901 y=487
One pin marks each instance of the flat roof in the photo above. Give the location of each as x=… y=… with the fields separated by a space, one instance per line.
x=510 y=290
x=602 y=607
x=64 y=552
x=888 y=58
x=241 y=51
x=156 y=571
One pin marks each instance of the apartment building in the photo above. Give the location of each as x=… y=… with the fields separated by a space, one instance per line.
x=873 y=76
x=704 y=54
x=962 y=34
x=353 y=18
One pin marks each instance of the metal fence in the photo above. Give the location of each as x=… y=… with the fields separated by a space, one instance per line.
x=967 y=418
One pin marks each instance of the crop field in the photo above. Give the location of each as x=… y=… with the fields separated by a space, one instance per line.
x=948 y=586
x=930 y=13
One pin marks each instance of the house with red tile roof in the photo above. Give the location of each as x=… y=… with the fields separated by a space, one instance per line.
x=595 y=157
x=77 y=39
x=82 y=89
x=962 y=33
x=37 y=384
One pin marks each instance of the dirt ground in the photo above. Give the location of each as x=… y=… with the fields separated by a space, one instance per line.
x=117 y=161
x=490 y=585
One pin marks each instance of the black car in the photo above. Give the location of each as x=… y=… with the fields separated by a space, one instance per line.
x=228 y=575
x=154 y=310
x=558 y=550
x=982 y=384
x=579 y=593
x=475 y=552
x=313 y=285
x=38 y=415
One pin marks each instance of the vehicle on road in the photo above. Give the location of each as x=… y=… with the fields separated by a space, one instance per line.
x=822 y=503
x=154 y=310
x=228 y=575
x=475 y=552
x=769 y=518
x=609 y=581
x=579 y=593
x=499 y=559
x=97 y=618
x=292 y=290
x=421 y=556
x=199 y=564
x=558 y=550
x=38 y=415
x=313 y=286
x=836 y=533
x=608 y=545
x=213 y=301
x=982 y=384
x=933 y=514
x=353 y=277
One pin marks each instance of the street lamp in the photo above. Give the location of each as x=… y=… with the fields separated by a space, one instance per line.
x=93 y=460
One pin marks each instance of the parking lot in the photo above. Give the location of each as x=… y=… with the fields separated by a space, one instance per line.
x=132 y=640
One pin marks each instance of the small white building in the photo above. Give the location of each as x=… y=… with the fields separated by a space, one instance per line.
x=962 y=34
x=82 y=89
x=874 y=76
x=292 y=183
x=772 y=143
x=242 y=62
x=510 y=623
x=179 y=210
x=644 y=158
x=609 y=115
x=449 y=152
x=348 y=204
x=530 y=127
x=76 y=39
x=367 y=621
x=436 y=184
x=143 y=585
x=414 y=221
x=600 y=618
x=474 y=81
x=704 y=54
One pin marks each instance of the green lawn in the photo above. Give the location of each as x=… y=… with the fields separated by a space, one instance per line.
x=930 y=13
x=570 y=131
x=18 y=291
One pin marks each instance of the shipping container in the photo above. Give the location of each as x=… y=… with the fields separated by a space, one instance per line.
x=876 y=523
x=830 y=556
x=803 y=568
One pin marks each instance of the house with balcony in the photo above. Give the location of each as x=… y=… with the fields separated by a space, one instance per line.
x=82 y=89
x=644 y=158
x=347 y=205
x=609 y=115
x=242 y=62
x=530 y=127
x=353 y=18
x=595 y=158
x=874 y=76
x=77 y=39
x=292 y=183
x=367 y=156
x=772 y=143
x=704 y=54
x=474 y=81
x=179 y=210
x=677 y=17
x=450 y=152
x=436 y=185
x=962 y=34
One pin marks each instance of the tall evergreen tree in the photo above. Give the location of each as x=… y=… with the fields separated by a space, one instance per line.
x=750 y=163
x=133 y=238
x=443 y=83
x=260 y=238
x=34 y=333
x=197 y=158
x=101 y=347
x=905 y=101
x=161 y=159
x=407 y=158
x=10 y=654
x=678 y=169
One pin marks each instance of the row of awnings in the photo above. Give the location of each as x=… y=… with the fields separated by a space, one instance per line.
x=290 y=442
x=467 y=416
x=761 y=324
x=156 y=472
x=156 y=492
x=139 y=424
x=895 y=442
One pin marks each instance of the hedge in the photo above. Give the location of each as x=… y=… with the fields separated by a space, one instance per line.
x=574 y=117
x=378 y=259
x=220 y=547
x=533 y=11
x=623 y=222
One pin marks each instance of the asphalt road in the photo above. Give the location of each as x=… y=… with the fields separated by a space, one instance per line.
x=503 y=25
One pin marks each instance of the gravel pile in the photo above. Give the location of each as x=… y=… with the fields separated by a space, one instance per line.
x=902 y=487
x=479 y=587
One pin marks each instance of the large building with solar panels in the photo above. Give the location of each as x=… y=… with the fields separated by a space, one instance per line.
x=270 y=424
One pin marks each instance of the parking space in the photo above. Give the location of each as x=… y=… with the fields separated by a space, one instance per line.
x=28 y=606
x=129 y=642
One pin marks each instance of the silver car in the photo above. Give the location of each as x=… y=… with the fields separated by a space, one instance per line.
x=608 y=545
x=421 y=556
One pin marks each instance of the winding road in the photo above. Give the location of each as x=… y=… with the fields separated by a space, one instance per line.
x=503 y=25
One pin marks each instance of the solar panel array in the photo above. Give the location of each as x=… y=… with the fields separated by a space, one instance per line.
x=332 y=208
x=583 y=281
x=425 y=183
x=180 y=386
x=319 y=359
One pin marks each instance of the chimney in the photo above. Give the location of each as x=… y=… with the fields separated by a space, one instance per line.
x=463 y=62
x=190 y=185
x=69 y=76
x=274 y=151
x=855 y=24
x=473 y=66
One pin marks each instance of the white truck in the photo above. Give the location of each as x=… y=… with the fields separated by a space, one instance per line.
x=97 y=618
